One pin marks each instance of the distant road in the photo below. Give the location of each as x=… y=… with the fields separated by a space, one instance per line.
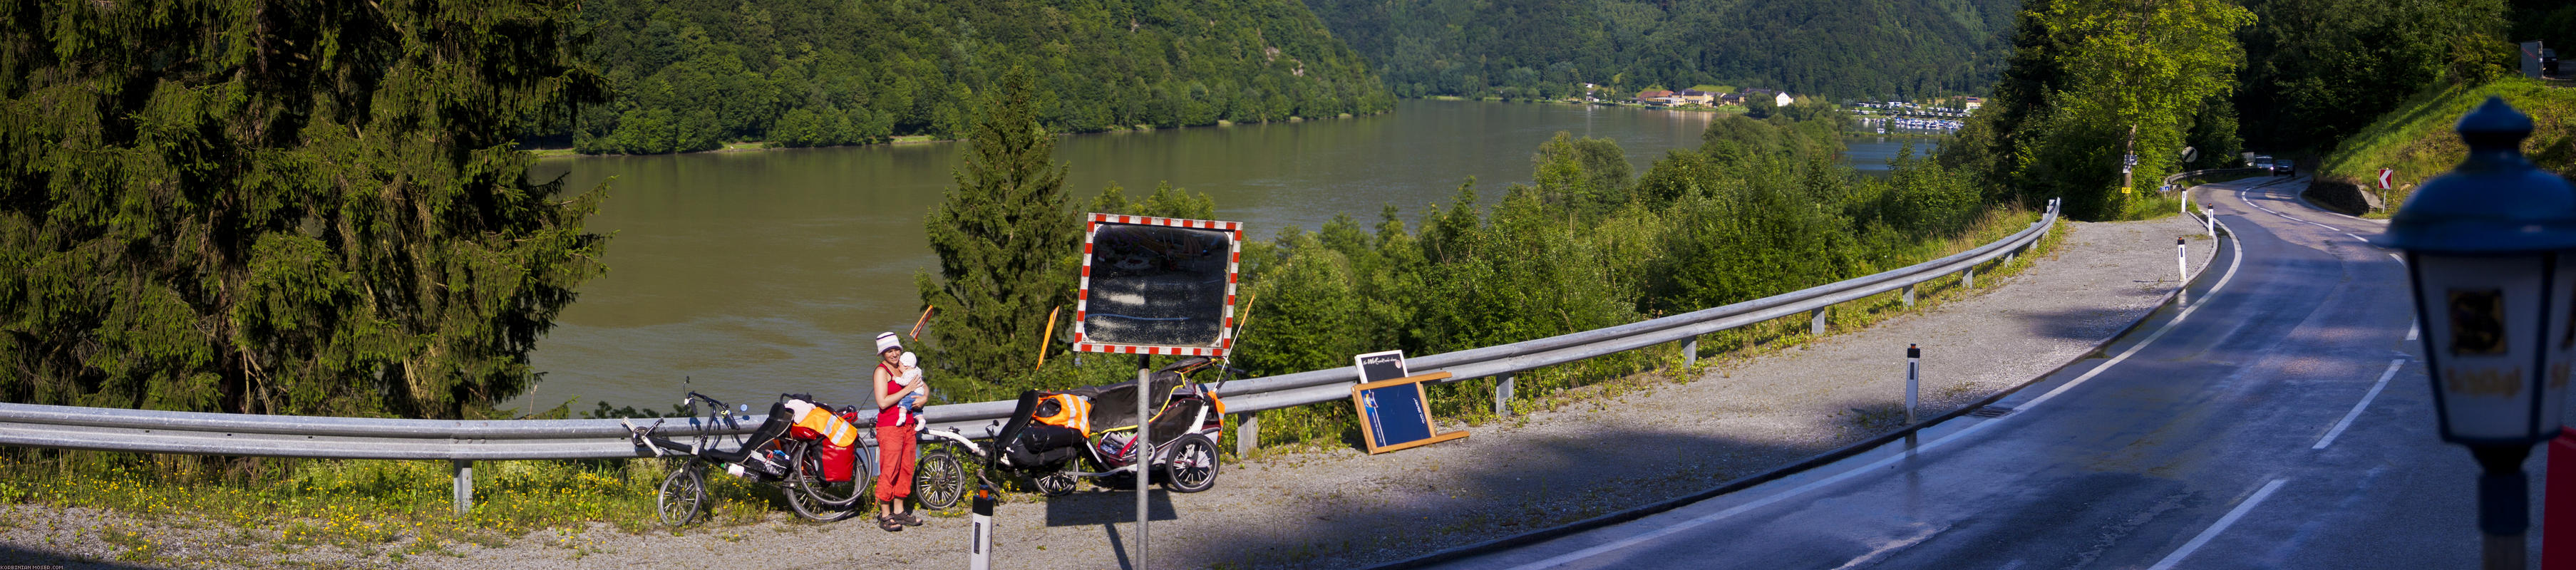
x=2280 y=420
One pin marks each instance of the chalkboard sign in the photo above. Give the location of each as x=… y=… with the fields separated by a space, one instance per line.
x=1376 y=366
x=1394 y=414
x=1157 y=286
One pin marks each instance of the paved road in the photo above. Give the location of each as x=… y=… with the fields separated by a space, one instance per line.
x=2278 y=420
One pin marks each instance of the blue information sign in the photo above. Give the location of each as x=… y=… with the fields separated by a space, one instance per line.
x=1394 y=414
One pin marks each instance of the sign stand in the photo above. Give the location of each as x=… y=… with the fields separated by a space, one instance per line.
x=1394 y=414
x=1155 y=286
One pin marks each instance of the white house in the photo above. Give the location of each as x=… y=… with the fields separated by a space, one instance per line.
x=1781 y=100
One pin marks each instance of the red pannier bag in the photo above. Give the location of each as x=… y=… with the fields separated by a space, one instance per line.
x=838 y=461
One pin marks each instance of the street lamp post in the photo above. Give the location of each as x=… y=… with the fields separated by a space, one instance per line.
x=2490 y=250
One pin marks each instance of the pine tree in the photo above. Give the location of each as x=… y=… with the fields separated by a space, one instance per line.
x=282 y=207
x=1009 y=246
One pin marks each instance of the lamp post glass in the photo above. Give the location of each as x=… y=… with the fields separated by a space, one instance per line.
x=2498 y=339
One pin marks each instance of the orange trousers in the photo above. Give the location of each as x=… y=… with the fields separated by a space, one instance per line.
x=896 y=449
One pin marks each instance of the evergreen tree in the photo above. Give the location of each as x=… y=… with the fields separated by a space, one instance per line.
x=282 y=207
x=1008 y=245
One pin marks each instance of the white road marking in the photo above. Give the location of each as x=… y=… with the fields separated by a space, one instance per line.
x=2401 y=260
x=2393 y=365
x=1621 y=544
x=2412 y=328
x=2222 y=525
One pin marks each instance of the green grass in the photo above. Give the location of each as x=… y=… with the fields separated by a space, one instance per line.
x=2417 y=140
x=374 y=509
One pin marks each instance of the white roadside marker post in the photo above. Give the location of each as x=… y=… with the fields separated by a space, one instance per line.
x=1913 y=379
x=2182 y=273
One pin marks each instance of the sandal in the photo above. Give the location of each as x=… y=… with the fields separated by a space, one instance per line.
x=907 y=518
x=888 y=524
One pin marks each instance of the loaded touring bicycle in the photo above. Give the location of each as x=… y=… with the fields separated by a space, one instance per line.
x=1055 y=437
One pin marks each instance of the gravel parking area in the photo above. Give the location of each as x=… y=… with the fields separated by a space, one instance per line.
x=1635 y=442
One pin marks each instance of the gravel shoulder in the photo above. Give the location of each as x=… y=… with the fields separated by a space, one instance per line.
x=1632 y=442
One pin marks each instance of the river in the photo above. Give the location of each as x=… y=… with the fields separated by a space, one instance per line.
x=756 y=273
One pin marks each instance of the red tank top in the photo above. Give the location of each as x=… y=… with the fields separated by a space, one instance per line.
x=886 y=416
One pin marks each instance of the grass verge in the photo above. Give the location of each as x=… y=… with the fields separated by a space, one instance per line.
x=2417 y=140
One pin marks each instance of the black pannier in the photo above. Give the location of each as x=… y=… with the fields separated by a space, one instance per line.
x=1041 y=445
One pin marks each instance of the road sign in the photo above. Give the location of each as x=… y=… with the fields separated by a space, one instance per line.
x=2129 y=160
x=2387 y=178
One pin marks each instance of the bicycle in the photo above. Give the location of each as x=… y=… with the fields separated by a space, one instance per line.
x=797 y=466
x=1186 y=427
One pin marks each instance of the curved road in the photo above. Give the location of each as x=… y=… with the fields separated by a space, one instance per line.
x=2278 y=420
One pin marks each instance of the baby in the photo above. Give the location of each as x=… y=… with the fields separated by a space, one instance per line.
x=911 y=404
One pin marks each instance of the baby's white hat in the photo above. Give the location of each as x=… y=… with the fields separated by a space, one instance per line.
x=910 y=360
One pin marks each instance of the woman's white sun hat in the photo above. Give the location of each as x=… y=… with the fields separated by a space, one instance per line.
x=888 y=341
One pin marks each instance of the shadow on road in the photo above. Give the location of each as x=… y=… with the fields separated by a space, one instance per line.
x=23 y=556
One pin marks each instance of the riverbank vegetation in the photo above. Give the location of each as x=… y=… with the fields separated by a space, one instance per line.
x=692 y=75
x=1759 y=209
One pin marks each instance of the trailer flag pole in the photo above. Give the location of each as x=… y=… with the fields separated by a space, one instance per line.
x=925 y=319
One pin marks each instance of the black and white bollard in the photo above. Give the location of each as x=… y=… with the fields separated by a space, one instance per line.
x=1913 y=379
x=980 y=553
x=2182 y=273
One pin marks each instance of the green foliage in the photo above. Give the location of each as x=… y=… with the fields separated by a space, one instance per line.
x=2318 y=70
x=2417 y=139
x=212 y=206
x=693 y=74
x=1760 y=209
x=1007 y=242
x=2093 y=80
x=1545 y=49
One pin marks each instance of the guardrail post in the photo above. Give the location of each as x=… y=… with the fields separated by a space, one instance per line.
x=1690 y=352
x=1247 y=434
x=1968 y=278
x=1503 y=396
x=1816 y=323
x=1909 y=295
x=464 y=485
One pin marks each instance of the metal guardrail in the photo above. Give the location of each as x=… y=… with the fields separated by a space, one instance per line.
x=463 y=442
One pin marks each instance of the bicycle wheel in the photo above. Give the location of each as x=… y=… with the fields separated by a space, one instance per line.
x=1053 y=484
x=806 y=504
x=683 y=495
x=810 y=480
x=1191 y=466
x=938 y=480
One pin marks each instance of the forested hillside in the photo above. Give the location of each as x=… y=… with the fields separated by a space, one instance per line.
x=692 y=74
x=1546 y=48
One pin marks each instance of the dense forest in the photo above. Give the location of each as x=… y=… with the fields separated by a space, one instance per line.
x=1547 y=48
x=206 y=206
x=693 y=74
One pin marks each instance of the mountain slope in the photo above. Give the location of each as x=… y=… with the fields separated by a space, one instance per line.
x=1544 y=48
x=691 y=74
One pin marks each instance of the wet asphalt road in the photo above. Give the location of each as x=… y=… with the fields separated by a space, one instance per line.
x=2214 y=435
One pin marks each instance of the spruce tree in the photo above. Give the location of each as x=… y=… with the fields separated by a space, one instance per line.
x=282 y=207
x=1009 y=246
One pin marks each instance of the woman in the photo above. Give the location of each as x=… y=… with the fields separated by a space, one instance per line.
x=895 y=443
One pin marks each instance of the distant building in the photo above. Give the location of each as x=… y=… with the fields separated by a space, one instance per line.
x=1781 y=100
x=1655 y=96
x=1975 y=102
x=1696 y=97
